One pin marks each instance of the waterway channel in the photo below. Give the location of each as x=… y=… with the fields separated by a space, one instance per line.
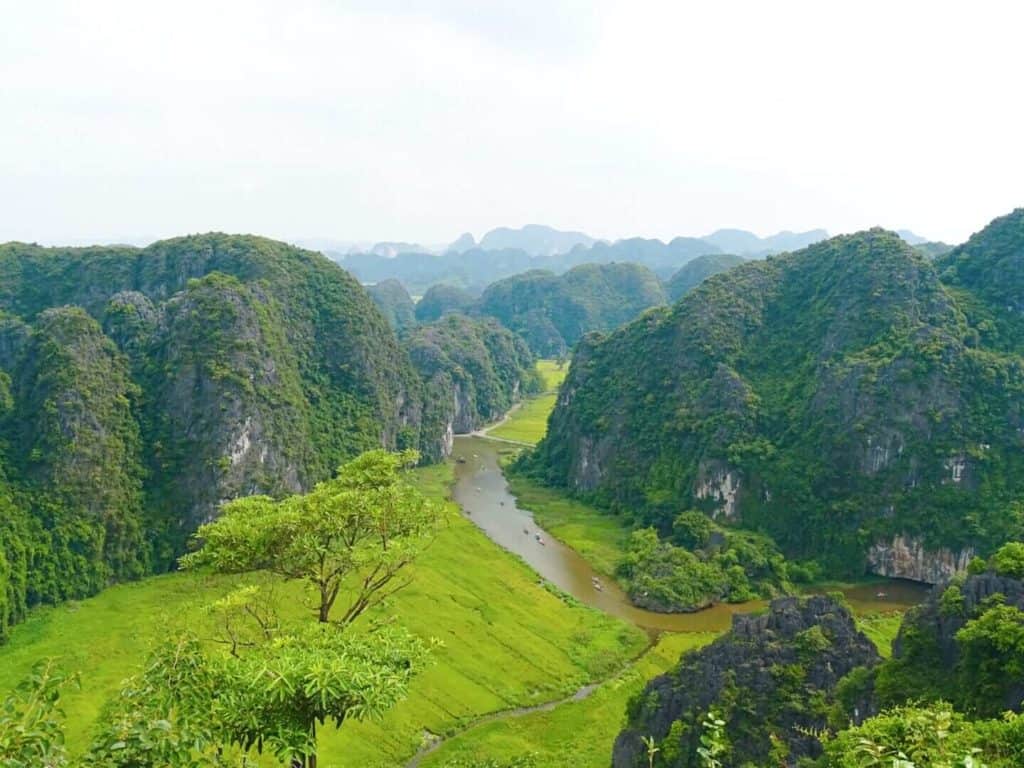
x=482 y=492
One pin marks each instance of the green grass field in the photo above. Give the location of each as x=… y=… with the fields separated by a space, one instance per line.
x=508 y=642
x=598 y=536
x=578 y=734
x=552 y=373
x=529 y=422
x=881 y=629
x=601 y=539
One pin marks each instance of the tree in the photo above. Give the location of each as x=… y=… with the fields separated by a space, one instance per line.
x=277 y=695
x=168 y=715
x=991 y=659
x=692 y=529
x=31 y=721
x=1009 y=560
x=194 y=707
x=361 y=529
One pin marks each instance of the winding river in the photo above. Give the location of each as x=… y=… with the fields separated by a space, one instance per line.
x=482 y=492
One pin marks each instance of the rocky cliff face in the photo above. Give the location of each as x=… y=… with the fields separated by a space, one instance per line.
x=187 y=373
x=771 y=675
x=76 y=450
x=834 y=397
x=474 y=371
x=227 y=409
x=907 y=558
x=959 y=646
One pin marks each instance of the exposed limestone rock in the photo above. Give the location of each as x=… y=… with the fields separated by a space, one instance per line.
x=760 y=677
x=718 y=482
x=905 y=557
x=588 y=473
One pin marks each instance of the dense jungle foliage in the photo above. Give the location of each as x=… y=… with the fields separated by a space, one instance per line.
x=833 y=398
x=697 y=271
x=140 y=387
x=394 y=303
x=552 y=312
x=441 y=299
x=473 y=371
x=700 y=564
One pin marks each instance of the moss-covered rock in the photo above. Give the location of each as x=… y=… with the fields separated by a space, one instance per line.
x=837 y=398
x=771 y=679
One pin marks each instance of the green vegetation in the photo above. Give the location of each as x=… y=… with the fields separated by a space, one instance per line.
x=964 y=645
x=695 y=272
x=507 y=641
x=141 y=387
x=771 y=681
x=440 y=300
x=394 y=303
x=473 y=371
x=927 y=737
x=598 y=536
x=553 y=312
x=716 y=565
x=734 y=566
x=832 y=398
x=528 y=422
x=359 y=531
x=578 y=733
x=881 y=629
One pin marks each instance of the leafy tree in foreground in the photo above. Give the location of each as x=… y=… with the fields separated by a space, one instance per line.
x=31 y=732
x=360 y=529
x=193 y=708
x=927 y=737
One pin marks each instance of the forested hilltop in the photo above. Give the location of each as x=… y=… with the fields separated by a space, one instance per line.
x=140 y=388
x=857 y=402
x=552 y=312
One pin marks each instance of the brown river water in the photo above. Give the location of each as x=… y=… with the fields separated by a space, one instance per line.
x=482 y=492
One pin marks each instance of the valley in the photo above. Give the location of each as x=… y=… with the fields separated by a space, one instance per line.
x=550 y=600
x=511 y=385
x=521 y=624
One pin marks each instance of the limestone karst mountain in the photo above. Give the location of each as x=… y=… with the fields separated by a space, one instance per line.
x=860 y=404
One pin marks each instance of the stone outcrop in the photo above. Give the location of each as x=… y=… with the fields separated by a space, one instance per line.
x=717 y=482
x=760 y=677
x=473 y=371
x=830 y=398
x=906 y=557
x=929 y=619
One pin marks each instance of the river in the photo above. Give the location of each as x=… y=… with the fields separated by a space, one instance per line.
x=482 y=492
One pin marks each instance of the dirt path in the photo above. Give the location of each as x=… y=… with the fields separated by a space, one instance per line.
x=436 y=743
x=484 y=432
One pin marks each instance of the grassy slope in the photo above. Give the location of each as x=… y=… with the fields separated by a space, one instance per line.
x=601 y=539
x=529 y=422
x=881 y=629
x=598 y=536
x=578 y=734
x=507 y=641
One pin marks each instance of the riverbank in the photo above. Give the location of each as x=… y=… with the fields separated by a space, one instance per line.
x=507 y=641
x=578 y=732
x=527 y=423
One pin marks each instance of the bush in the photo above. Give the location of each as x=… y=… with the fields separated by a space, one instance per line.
x=1009 y=560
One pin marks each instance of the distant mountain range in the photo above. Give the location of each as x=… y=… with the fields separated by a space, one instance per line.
x=504 y=252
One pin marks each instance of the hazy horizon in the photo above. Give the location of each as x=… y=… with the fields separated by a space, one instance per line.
x=417 y=121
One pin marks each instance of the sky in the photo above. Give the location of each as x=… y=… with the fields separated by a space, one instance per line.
x=419 y=120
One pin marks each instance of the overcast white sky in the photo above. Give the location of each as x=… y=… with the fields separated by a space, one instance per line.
x=419 y=120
